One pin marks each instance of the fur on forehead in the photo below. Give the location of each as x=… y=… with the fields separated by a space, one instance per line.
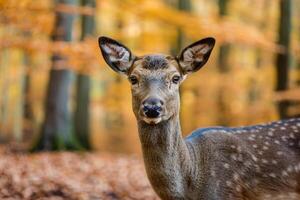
x=155 y=61
x=144 y=65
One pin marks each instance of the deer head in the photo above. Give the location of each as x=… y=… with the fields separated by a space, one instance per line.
x=155 y=78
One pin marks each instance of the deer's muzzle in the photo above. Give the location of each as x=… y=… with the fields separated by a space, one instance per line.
x=152 y=107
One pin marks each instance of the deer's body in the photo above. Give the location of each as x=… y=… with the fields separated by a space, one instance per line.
x=256 y=162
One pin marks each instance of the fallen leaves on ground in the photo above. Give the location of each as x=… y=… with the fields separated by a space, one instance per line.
x=72 y=176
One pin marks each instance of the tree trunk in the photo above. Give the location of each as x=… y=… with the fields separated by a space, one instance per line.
x=223 y=66
x=28 y=110
x=56 y=133
x=283 y=59
x=18 y=110
x=182 y=5
x=224 y=48
x=254 y=90
x=82 y=115
x=296 y=105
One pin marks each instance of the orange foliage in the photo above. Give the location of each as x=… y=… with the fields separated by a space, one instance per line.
x=146 y=26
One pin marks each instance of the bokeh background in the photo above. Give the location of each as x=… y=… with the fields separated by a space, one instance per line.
x=56 y=92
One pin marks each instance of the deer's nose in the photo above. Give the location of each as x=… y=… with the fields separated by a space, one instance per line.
x=152 y=107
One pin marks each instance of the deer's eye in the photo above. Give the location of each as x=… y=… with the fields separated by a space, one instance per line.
x=133 y=80
x=176 y=79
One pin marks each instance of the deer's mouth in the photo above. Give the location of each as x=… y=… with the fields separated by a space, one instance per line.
x=152 y=121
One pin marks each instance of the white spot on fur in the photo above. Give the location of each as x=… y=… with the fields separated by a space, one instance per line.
x=240 y=157
x=233 y=156
x=254 y=158
x=270 y=133
x=226 y=165
x=290 y=169
x=284 y=173
x=279 y=153
x=284 y=138
x=213 y=173
x=264 y=161
x=267 y=143
x=235 y=176
x=274 y=162
x=229 y=183
x=272 y=175
x=238 y=188
x=239 y=149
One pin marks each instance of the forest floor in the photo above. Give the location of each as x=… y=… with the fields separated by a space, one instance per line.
x=72 y=176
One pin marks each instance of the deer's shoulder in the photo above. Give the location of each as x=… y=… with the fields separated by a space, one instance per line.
x=201 y=132
x=214 y=139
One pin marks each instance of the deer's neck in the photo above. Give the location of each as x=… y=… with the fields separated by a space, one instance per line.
x=166 y=157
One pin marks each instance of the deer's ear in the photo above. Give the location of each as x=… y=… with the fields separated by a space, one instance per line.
x=194 y=56
x=116 y=55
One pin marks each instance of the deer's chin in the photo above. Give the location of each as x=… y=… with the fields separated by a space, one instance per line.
x=152 y=121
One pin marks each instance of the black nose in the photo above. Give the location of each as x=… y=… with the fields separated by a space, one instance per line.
x=152 y=107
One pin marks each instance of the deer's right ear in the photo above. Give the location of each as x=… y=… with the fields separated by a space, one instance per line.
x=116 y=55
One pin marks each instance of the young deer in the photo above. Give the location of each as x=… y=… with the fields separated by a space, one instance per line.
x=254 y=162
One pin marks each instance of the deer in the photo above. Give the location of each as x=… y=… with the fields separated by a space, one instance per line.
x=256 y=162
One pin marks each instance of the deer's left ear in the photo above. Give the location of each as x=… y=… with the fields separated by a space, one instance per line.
x=115 y=54
x=194 y=56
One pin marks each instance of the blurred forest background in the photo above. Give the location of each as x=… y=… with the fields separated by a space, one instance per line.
x=57 y=92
